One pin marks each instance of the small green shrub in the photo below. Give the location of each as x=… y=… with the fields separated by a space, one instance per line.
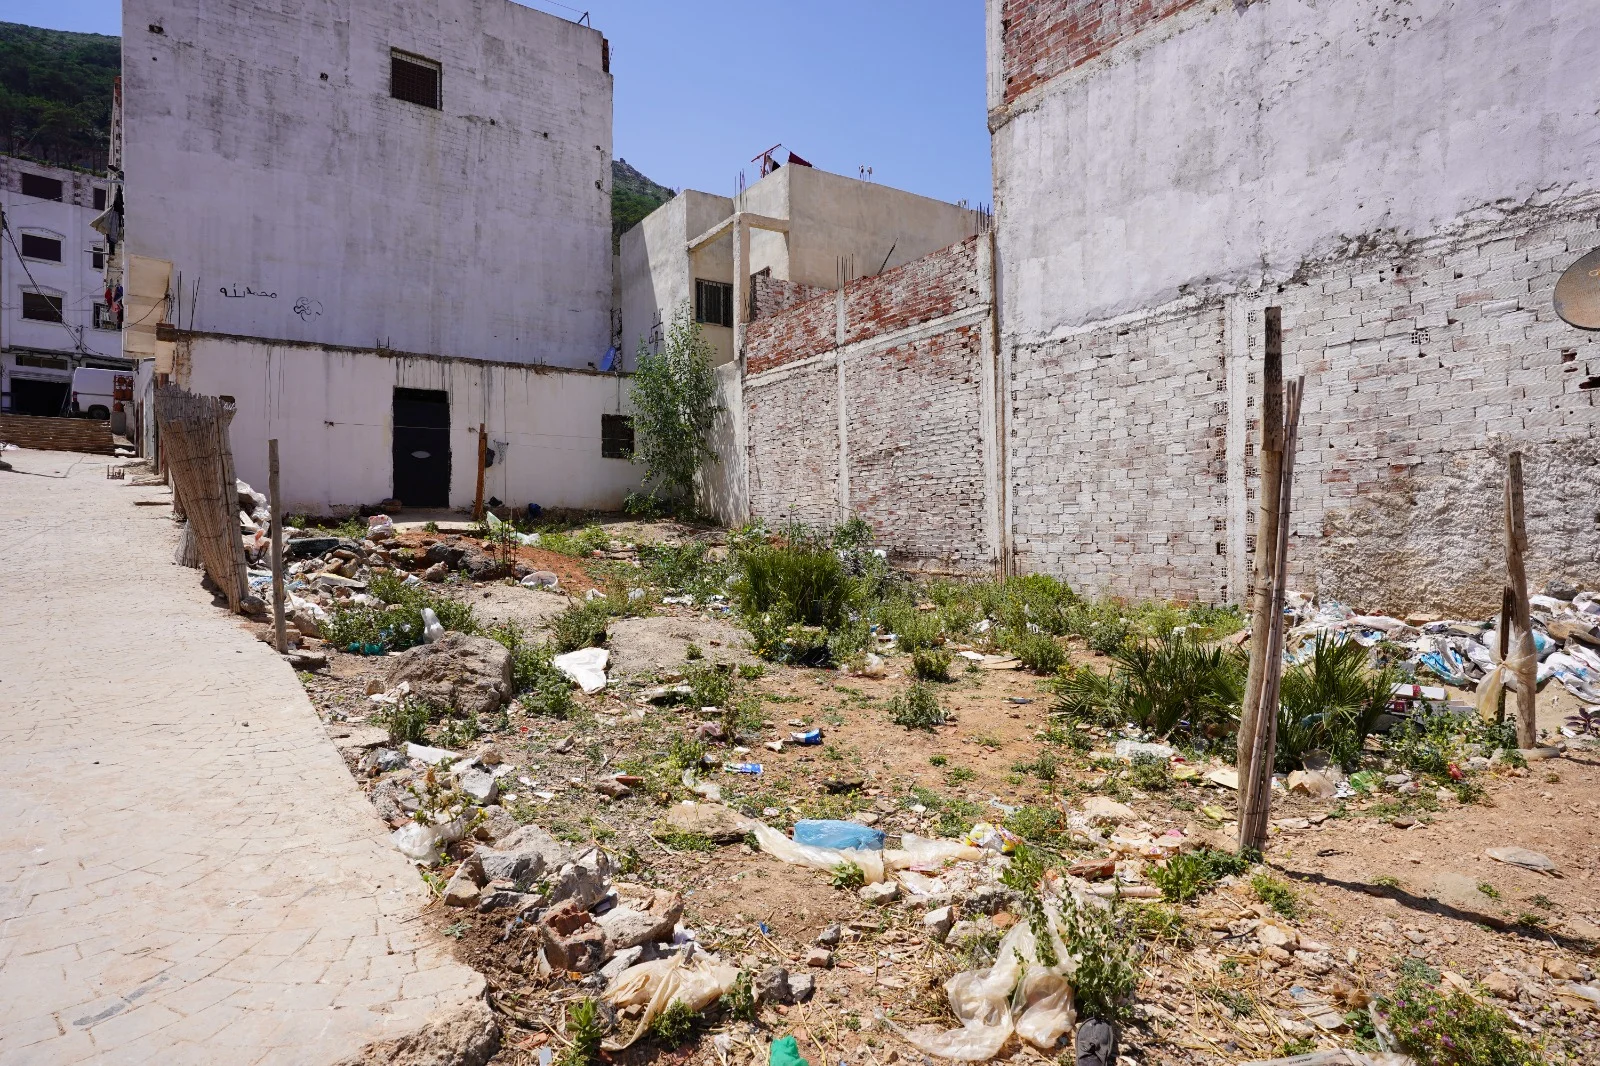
x=587 y=1028
x=960 y=775
x=407 y=721
x=1172 y=684
x=712 y=684
x=752 y=671
x=678 y=840
x=1330 y=703
x=739 y=1002
x=1276 y=894
x=1155 y=922
x=1192 y=873
x=917 y=708
x=1035 y=824
x=849 y=876
x=931 y=664
x=938 y=760
x=685 y=754
x=801 y=585
x=1451 y=1029
x=1107 y=971
x=1151 y=774
x=675 y=1026
x=581 y=625
x=1039 y=652
x=576 y=543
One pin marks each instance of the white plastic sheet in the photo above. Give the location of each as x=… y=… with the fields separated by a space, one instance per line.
x=586 y=667
x=783 y=849
x=697 y=979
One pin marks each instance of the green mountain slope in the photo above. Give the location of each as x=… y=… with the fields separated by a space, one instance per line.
x=633 y=196
x=55 y=94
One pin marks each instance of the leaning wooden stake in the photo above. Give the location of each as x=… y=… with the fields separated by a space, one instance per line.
x=1523 y=653
x=280 y=638
x=483 y=462
x=1506 y=611
x=1271 y=428
x=1255 y=791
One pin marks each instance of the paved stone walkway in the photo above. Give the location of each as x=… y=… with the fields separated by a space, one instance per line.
x=187 y=872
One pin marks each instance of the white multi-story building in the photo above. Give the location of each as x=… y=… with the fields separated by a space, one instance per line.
x=378 y=226
x=54 y=316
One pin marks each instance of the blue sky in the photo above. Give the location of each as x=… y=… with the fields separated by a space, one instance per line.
x=704 y=85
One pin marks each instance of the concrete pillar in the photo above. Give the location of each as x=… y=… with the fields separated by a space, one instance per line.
x=741 y=314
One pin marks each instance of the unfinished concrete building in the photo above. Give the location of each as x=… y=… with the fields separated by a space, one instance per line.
x=377 y=226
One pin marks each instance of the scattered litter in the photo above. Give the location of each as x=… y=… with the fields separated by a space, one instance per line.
x=586 y=667
x=809 y=738
x=432 y=630
x=1133 y=749
x=830 y=833
x=1528 y=860
x=751 y=768
x=431 y=756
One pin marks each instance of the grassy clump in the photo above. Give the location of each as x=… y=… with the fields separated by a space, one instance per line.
x=1276 y=894
x=581 y=625
x=1039 y=652
x=398 y=624
x=675 y=1026
x=576 y=543
x=849 y=876
x=407 y=721
x=1035 y=824
x=917 y=707
x=712 y=684
x=1151 y=774
x=1330 y=703
x=1192 y=873
x=1107 y=971
x=678 y=840
x=1170 y=684
x=541 y=687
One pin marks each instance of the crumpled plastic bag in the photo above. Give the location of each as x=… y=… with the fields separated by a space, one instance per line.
x=424 y=844
x=783 y=849
x=1017 y=994
x=586 y=667
x=694 y=977
x=1495 y=680
x=928 y=853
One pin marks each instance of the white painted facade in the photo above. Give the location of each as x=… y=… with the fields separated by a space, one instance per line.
x=828 y=216
x=1407 y=182
x=324 y=243
x=333 y=417
x=63 y=266
x=267 y=161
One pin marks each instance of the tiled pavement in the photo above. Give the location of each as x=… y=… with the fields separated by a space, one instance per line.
x=187 y=872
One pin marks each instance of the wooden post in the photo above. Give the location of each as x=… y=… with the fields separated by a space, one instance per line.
x=1516 y=545
x=483 y=461
x=1255 y=792
x=1265 y=556
x=1506 y=611
x=279 y=636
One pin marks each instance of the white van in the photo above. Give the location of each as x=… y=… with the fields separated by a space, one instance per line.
x=96 y=392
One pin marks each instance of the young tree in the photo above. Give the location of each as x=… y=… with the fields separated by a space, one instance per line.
x=674 y=403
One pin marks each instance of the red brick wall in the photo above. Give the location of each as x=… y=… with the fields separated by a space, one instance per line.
x=770 y=296
x=1043 y=38
x=935 y=285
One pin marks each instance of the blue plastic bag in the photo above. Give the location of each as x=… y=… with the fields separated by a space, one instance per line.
x=829 y=833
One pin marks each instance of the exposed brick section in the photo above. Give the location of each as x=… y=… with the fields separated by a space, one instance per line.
x=919 y=291
x=770 y=296
x=1424 y=366
x=1044 y=38
x=913 y=412
x=793 y=428
x=800 y=332
x=924 y=289
x=1118 y=461
x=916 y=461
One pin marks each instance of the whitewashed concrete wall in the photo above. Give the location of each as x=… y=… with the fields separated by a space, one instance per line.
x=1407 y=182
x=333 y=415
x=264 y=154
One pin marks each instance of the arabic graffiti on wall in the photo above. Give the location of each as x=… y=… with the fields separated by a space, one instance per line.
x=235 y=292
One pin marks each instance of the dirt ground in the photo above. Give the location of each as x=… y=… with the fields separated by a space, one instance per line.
x=1376 y=880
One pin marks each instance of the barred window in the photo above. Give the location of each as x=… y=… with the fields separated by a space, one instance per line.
x=616 y=437
x=414 y=79
x=713 y=302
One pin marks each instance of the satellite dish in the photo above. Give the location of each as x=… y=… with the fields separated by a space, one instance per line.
x=1578 y=293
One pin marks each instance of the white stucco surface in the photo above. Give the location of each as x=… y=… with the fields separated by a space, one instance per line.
x=333 y=415
x=298 y=200
x=1235 y=142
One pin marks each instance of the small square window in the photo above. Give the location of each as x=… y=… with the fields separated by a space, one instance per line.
x=37 y=247
x=616 y=437
x=99 y=199
x=414 y=79
x=98 y=256
x=713 y=302
x=41 y=307
x=40 y=187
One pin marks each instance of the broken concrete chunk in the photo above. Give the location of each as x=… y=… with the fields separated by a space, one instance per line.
x=586 y=879
x=462 y=891
x=938 y=922
x=1103 y=810
x=481 y=786
x=1528 y=860
x=722 y=824
x=522 y=856
x=643 y=915
x=819 y=957
x=830 y=937
x=880 y=894
x=802 y=986
x=497 y=823
x=772 y=985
